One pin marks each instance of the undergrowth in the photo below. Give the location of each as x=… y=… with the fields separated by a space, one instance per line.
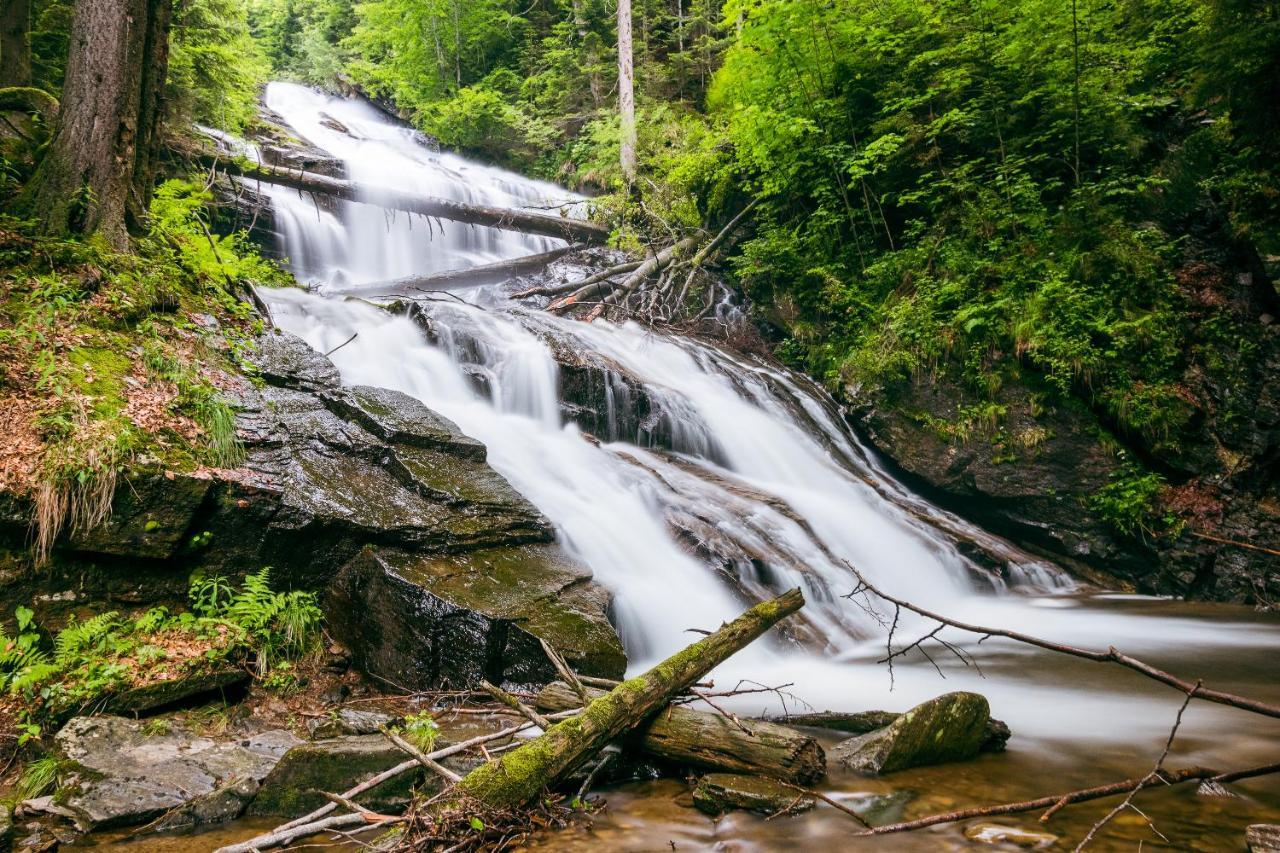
x=109 y=359
x=89 y=663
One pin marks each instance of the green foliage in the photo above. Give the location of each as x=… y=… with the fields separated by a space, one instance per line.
x=215 y=66
x=1130 y=503
x=421 y=729
x=108 y=653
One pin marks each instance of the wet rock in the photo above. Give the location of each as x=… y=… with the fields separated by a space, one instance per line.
x=349 y=721
x=951 y=727
x=151 y=515
x=1263 y=838
x=287 y=360
x=400 y=419
x=717 y=793
x=220 y=805
x=6 y=829
x=880 y=809
x=296 y=785
x=422 y=621
x=995 y=833
x=860 y=722
x=129 y=774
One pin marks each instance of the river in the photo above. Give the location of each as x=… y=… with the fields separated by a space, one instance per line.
x=761 y=463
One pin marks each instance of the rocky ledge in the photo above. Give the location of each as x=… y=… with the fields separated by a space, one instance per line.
x=437 y=570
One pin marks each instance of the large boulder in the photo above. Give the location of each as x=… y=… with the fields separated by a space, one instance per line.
x=951 y=727
x=423 y=621
x=129 y=772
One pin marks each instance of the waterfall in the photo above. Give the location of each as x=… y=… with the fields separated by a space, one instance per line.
x=742 y=481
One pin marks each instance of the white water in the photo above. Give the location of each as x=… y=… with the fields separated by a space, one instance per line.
x=752 y=441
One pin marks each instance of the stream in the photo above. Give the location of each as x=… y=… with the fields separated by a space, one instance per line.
x=759 y=464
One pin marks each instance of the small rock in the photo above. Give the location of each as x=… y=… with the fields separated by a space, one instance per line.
x=1263 y=838
x=348 y=721
x=717 y=793
x=218 y=806
x=951 y=727
x=995 y=833
x=6 y=827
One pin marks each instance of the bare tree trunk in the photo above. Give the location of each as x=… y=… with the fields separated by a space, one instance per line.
x=155 y=68
x=84 y=182
x=15 y=47
x=626 y=93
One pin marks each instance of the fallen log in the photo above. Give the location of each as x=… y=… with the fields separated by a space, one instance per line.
x=652 y=264
x=713 y=742
x=528 y=222
x=493 y=273
x=519 y=776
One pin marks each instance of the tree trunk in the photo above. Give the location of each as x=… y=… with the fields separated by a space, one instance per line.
x=155 y=68
x=518 y=777
x=626 y=93
x=15 y=46
x=494 y=217
x=494 y=273
x=84 y=182
x=714 y=742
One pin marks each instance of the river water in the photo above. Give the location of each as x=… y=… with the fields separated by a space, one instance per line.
x=757 y=465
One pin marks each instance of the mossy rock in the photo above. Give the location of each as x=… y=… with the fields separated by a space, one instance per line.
x=151 y=516
x=160 y=694
x=717 y=793
x=297 y=784
x=951 y=727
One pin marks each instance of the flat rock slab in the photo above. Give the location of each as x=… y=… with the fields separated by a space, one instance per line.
x=286 y=360
x=398 y=418
x=129 y=773
x=717 y=793
x=997 y=833
x=423 y=621
x=951 y=727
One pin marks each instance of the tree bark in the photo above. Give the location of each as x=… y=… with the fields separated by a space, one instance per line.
x=155 y=69
x=713 y=742
x=521 y=775
x=15 y=44
x=626 y=93
x=493 y=273
x=84 y=182
x=494 y=217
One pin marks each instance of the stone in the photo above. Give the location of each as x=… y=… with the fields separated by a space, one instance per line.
x=6 y=829
x=160 y=694
x=717 y=793
x=860 y=722
x=1262 y=838
x=423 y=621
x=950 y=727
x=879 y=809
x=129 y=773
x=996 y=833
x=398 y=418
x=287 y=360
x=220 y=805
x=296 y=785
x=349 y=721
x=151 y=516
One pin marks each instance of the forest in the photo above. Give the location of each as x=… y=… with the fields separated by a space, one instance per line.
x=375 y=371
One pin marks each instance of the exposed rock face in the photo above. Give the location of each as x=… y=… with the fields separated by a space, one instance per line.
x=422 y=621
x=129 y=775
x=951 y=727
x=328 y=471
x=717 y=793
x=1033 y=474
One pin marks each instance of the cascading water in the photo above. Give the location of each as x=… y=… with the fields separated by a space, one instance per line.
x=756 y=468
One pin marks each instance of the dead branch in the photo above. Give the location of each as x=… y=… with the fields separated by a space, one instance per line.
x=1111 y=655
x=570 y=677
x=561 y=289
x=420 y=756
x=515 y=704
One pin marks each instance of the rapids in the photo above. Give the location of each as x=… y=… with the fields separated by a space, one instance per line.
x=761 y=459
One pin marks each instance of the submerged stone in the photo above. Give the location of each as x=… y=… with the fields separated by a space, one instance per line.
x=129 y=772
x=951 y=727
x=422 y=621
x=996 y=833
x=717 y=793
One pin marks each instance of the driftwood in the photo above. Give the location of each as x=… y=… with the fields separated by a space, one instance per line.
x=493 y=273
x=576 y=230
x=713 y=742
x=522 y=774
x=654 y=263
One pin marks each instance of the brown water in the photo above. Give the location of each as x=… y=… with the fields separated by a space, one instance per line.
x=1076 y=724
